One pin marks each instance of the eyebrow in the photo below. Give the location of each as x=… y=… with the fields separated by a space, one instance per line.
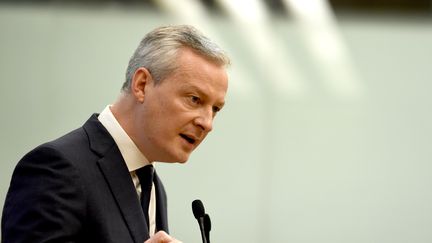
x=221 y=105
x=202 y=93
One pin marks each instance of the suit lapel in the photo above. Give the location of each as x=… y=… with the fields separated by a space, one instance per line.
x=116 y=174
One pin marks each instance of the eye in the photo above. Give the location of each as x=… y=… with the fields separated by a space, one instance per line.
x=216 y=109
x=195 y=99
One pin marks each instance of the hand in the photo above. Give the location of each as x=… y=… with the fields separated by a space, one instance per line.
x=162 y=237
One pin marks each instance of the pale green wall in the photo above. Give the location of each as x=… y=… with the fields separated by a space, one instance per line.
x=319 y=167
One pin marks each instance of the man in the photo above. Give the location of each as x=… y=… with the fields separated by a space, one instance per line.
x=88 y=186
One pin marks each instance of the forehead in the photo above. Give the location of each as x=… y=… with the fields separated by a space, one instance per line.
x=197 y=73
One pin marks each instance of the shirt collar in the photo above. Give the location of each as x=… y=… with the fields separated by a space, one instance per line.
x=131 y=154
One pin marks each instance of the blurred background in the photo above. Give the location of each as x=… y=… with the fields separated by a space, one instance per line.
x=326 y=135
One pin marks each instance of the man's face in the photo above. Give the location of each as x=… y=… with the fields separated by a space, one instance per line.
x=177 y=114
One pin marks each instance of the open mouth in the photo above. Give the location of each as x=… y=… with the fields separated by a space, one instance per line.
x=188 y=139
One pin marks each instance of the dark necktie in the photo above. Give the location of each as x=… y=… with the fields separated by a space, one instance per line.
x=145 y=175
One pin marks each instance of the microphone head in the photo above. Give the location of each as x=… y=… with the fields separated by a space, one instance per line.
x=198 y=209
x=207 y=222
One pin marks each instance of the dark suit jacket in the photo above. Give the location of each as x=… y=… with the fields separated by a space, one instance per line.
x=77 y=189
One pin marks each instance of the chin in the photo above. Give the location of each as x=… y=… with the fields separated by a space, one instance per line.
x=176 y=159
x=182 y=160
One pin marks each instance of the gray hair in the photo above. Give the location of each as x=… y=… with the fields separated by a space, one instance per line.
x=158 y=51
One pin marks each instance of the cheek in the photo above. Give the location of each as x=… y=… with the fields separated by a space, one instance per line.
x=164 y=127
x=168 y=117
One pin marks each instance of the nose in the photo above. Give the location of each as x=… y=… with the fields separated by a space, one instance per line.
x=204 y=120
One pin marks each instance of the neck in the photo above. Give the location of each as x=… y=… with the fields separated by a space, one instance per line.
x=123 y=111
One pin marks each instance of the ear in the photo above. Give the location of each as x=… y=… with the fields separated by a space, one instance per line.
x=141 y=78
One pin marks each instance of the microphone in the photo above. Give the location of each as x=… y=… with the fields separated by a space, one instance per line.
x=199 y=213
x=207 y=227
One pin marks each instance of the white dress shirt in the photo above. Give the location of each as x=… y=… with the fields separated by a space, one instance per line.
x=132 y=156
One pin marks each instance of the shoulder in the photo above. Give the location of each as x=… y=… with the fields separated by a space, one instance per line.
x=46 y=192
x=48 y=171
x=64 y=158
x=75 y=146
x=50 y=162
x=62 y=149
